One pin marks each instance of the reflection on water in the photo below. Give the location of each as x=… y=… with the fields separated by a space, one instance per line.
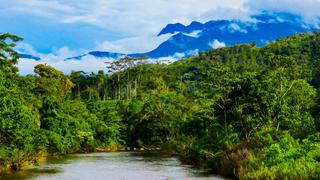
x=114 y=165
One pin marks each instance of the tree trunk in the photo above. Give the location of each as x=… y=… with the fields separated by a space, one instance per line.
x=119 y=90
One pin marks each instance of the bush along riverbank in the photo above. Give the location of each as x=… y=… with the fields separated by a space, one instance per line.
x=244 y=111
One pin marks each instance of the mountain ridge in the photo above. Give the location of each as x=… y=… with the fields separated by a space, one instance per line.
x=262 y=29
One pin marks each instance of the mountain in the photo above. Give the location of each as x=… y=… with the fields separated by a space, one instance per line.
x=172 y=28
x=98 y=54
x=263 y=29
x=28 y=56
x=189 y=39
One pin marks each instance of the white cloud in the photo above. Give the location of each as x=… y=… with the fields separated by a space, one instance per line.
x=192 y=52
x=26 y=48
x=57 y=60
x=126 y=17
x=194 y=34
x=88 y=64
x=179 y=55
x=308 y=9
x=26 y=66
x=55 y=55
x=65 y=52
x=133 y=45
x=49 y=9
x=233 y=27
x=215 y=44
x=229 y=13
x=164 y=60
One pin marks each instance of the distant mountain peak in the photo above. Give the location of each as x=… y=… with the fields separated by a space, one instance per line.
x=265 y=27
x=28 y=56
x=171 y=28
x=199 y=36
x=195 y=25
x=103 y=54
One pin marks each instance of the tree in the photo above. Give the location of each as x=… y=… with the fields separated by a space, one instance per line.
x=52 y=82
x=19 y=121
x=8 y=56
x=121 y=64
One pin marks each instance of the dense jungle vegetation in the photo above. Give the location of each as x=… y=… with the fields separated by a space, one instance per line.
x=246 y=112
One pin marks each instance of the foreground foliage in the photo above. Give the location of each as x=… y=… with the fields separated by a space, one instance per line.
x=244 y=111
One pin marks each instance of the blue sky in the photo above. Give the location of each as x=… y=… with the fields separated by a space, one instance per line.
x=92 y=24
x=62 y=28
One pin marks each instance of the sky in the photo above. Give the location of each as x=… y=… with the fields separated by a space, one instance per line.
x=58 y=29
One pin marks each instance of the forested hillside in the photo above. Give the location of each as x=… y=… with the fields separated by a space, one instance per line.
x=244 y=111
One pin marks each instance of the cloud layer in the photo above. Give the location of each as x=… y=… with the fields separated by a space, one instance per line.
x=115 y=25
x=308 y=9
x=215 y=44
x=127 y=17
x=54 y=27
x=88 y=65
x=140 y=44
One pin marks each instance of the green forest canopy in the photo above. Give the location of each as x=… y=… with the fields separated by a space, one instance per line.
x=244 y=111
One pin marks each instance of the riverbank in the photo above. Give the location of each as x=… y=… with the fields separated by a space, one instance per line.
x=16 y=166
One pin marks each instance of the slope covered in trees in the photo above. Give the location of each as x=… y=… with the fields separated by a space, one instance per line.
x=244 y=111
